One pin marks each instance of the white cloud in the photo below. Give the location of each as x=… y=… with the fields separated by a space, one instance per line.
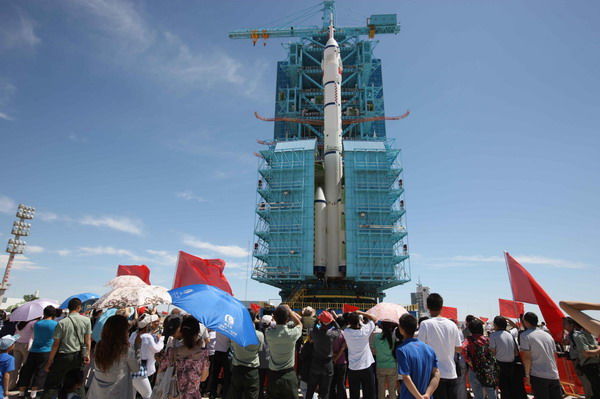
x=476 y=260
x=7 y=205
x=123 y=224
x=189 y=196
x=162 y=257
x=233 y=251
x=64 y=252
x=34 y=249
x=100 y=250
x=17 y=32
x=47 y=216
x=21 y=262
x=77 y=138
x=7 y=91
x=5 y=117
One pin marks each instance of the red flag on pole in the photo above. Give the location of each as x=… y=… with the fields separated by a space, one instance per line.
x=484 y=319
x=255 y=307
x=449 y=313
x=193 y=270
x=526 y=289
x=511 y=309
x=349 y=308
x=141 y=271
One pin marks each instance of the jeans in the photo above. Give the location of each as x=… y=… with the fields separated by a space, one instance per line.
x=461 y=384
x=362 y=378
x=544 y=388
x=320 y=375
x=338 y=383
x=478 y=389
x=511 y=383
x=220 y=361
x=387 y=376
x=446 y=388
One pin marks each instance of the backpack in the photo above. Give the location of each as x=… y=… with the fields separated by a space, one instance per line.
x=484 y=363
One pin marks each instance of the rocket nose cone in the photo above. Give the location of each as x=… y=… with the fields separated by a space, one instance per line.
x=331 y=42
x=319 y=194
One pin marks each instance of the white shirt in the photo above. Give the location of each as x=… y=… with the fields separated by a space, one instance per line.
x=443 y=336
x=148 y=349
x=222 y=343
x=359 y=353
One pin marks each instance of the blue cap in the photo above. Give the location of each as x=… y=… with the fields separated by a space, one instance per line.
x=7 y=341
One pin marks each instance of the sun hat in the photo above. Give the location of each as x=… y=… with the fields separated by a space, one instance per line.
x=147 y=319
x=7 y=341
x=325 y=317
x=266 y=319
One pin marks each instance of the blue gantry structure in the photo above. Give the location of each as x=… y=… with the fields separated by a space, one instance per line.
x=375 y=248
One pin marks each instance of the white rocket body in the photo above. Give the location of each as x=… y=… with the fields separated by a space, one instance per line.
x=320 y=266
x=332 y=81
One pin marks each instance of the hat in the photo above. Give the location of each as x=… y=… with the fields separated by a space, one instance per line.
x=325 y=317
x=147 y=319
x=7 y=341
x=266 y=319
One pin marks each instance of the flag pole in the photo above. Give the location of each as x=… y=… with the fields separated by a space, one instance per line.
x=511 y=284
x=176 y=268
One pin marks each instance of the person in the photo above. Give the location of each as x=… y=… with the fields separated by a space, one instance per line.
x=33 y=373
x=148 y=348
x=340 y=364
x=263 y=356
x=575 y=310
x=588 y=351
x=417 y=362
x=443 y=336
x=360 y=358
x=387 y=368
x=282 y=382
x=7 y=362
x=483 y=369
x=321 y=366
x=220 y=362
x=190 y=360
x=115 y=360
x=72 y=339
x=25 y=332
x=571 y=326
x=539 y=361
x=504 y=347
x=465 y=331
x=245 y=361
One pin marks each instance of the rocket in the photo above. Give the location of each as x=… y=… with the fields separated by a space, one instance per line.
x=330 y=241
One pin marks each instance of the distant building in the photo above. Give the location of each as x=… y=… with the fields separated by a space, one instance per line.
x=7 y=302
x=419 y=298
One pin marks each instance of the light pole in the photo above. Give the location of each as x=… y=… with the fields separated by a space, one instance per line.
x=15 y=245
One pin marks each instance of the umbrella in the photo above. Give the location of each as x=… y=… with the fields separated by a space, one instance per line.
x=97 y=331
x=31 y=310
x=85 y=297
x=126 y=281
x=124 y=297
x=386 y=311
x=218 y=310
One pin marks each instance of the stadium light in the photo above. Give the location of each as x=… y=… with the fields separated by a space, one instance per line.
x=15 y=245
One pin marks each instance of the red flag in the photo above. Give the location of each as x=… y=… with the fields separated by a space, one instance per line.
x=141 y=271
x=349 y=308
x=526 y=289
x=511 y=309
x=255 y=307
x=484 y=319
x=449 y=313
x=193 y=270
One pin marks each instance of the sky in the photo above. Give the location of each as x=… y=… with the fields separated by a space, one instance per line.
x=129 y=126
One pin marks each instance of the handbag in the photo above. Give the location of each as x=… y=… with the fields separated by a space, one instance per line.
x=518 y=362
x=163 y=384
x=174 y=385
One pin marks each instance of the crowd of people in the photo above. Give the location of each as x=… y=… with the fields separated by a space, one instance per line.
x=128 y=354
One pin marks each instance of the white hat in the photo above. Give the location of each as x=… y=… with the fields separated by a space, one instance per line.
x=266 y=319
x=7 y=341
x=147 y=319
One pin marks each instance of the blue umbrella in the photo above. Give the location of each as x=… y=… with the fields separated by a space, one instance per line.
x=218 y=310
x=86 y=296
x=97 y=331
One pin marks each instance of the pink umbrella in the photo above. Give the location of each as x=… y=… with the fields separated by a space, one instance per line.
x=386 y=311
x=31 y=310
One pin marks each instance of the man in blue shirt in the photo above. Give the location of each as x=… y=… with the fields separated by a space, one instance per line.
x=417 y=363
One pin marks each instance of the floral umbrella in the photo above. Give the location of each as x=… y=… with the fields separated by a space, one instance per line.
x=124 y=297
x=386 y=311
x=126 y=281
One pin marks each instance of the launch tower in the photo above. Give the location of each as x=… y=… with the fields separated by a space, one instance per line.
x=330 y=215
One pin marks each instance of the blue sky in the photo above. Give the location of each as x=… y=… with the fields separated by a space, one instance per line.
x=129 y=126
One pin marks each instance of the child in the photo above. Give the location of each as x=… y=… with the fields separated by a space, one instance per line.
x=7 y=362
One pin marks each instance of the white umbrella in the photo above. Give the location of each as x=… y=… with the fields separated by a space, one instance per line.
x=126 y=281
x=124 y=297
x=32 y=310
x=386 y=311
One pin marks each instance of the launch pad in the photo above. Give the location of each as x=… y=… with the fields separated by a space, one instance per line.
x=330 y=211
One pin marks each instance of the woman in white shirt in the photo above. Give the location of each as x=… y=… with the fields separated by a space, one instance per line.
x=148 y=347
x=360 y=358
